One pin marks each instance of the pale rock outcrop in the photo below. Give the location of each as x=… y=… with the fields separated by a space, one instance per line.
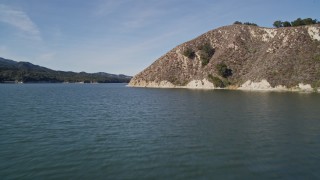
x=250 y=85
x=305 y=87
x=200 y=84
x=314 y=33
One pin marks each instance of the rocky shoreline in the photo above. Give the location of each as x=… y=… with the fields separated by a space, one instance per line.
x=205 y=84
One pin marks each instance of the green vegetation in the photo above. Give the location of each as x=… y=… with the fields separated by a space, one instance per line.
x=279 y=23
x=297 y=22
x=237 y=22
x=189 y=53
x=206 y=52
x=223 y=70
x=250 y=24
x=315 y=85
x=217 y=82
x=205 y=59
x=317 y=57
x=245 y=23
x=11 y=71
x=177 y=81
x=286 y=24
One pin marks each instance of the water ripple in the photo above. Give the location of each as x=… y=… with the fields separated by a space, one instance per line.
x=109 y=131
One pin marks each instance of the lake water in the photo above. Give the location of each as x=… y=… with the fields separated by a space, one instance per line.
x=110 y=131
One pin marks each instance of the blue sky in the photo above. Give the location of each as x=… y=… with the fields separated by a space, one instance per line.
x=123 y=36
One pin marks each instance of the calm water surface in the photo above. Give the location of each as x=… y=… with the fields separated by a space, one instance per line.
x=109 y=131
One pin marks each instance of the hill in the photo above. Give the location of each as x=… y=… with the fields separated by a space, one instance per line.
x=13 y=71
x=241 y=57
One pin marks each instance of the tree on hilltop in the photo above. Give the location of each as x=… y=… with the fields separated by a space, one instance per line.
x=278 y=24
x=250 y=24
x=286 y=24
x=302 y=22
x=297 y=22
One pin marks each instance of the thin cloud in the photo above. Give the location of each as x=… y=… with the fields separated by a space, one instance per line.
x=108 y=7
x=140 y=19
x=128 y=14
x=19 y=20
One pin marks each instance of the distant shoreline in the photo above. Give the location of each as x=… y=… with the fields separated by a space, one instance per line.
x=62 y=82
x=25 y=72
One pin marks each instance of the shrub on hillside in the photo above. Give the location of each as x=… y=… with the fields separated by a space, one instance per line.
x=301 y=22
x=315 y=85
x=189 y=53
x=217 y=82
x=237 y=22
x=245 y=23
x=297 y=22
x=316 y=57
x=277 y=24
x=206 y=52
x=286 y=24
x=250 y=24
x=223 y=70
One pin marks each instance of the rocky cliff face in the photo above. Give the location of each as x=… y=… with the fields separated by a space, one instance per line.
x=256 y=57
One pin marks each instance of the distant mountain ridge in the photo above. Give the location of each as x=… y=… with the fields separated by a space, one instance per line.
x=240 y=57
x=13 y=71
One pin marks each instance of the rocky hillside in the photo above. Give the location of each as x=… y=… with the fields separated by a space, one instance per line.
x=240 y=56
